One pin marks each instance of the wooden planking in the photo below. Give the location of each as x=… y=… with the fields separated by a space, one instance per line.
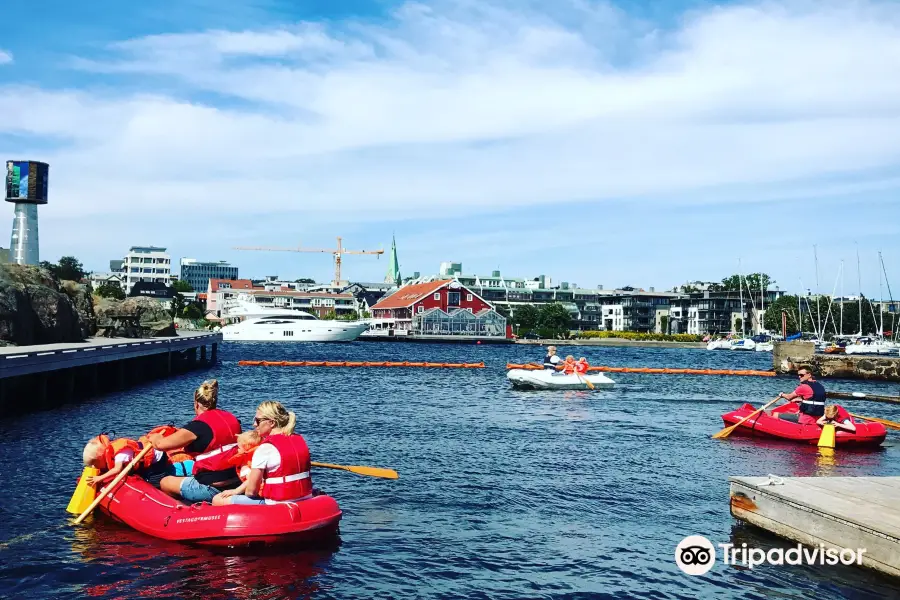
x=822 y=495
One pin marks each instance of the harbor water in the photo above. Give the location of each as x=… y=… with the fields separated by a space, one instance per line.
x=502 y=493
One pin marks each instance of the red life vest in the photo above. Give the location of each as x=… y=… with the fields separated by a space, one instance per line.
x=842 y=415
x=111 y=448
x=291 y=479
x=225 y=429
x=581 y=367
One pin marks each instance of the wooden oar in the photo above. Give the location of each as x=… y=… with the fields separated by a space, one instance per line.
x=583 y=380
x=727 y=431
x=114 y=483
x=368 y=471
x=885 y=422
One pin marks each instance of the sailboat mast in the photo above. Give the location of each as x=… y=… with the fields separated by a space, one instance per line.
x=762 y=301
x=819 y=331
x=842 y=297
x=891 y=298
x=741 y=288
x=880 y=298
x=859 y=282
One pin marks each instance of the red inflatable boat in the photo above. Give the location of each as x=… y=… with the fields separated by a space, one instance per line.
x=762 y=425
x=138 y=504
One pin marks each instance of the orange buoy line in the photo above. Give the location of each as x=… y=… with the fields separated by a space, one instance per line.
x=348 y=363
x=535 y=366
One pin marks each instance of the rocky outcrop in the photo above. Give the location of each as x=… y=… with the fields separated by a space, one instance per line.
x=137 y=317
x=36 y=309
x=788 y=357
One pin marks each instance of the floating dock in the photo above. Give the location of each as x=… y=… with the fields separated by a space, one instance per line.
x=41 y=377
x=838 y=512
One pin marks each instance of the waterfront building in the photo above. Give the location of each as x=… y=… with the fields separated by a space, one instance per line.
x=316 y=303
x=717 y=312
x=219 y=290
x=198 y=273
x=439 y=307
x=149 y=264
x=98 y=279
x=157 y=290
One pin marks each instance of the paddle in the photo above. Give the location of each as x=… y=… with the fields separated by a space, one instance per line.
x=885 y=422
x=727 y=431
x=826 y=439
x=368 y=471
x=583 y=380
x=114 y=483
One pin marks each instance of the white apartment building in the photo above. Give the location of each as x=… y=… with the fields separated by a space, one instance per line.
x=146 y=263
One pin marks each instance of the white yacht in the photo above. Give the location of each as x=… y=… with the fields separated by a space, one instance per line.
x=267 y=324
x=870 y=345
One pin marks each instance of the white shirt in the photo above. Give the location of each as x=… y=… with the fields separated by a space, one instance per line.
x=126 y=455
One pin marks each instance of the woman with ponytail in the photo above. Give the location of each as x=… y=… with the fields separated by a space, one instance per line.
x=281 y=462
x=210 y=439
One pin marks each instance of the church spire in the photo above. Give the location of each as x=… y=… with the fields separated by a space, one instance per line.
x=393 y=274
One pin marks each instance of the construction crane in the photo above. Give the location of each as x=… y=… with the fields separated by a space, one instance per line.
x=337 y=252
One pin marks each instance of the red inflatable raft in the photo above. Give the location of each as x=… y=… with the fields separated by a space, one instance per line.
x=762 y=425
x=138 y=504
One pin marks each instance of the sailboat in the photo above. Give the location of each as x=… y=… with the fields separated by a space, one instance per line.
x=872 y=344
x=743 y=343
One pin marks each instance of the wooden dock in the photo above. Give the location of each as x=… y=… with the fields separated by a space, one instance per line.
x=838 y=512
x=51 y=374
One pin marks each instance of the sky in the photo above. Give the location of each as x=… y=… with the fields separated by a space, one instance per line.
x=640 y=143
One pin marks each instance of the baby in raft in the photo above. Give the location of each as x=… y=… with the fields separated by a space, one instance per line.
x=110 y=457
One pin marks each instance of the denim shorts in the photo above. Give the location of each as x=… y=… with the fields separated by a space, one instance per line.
x=193 y=491
x=246 y=500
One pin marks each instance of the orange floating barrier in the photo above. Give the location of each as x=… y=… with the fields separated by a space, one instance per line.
x=353 y=364
x=312 y=363
x=373 y=364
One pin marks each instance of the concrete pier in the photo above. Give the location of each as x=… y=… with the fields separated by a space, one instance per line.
x=41 y=377
x=787 y=357
x=837 y=512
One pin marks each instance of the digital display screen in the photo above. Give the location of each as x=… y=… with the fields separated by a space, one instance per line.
x=26 y=181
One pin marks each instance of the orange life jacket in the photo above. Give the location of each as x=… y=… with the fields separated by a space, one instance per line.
x=111 y=448
x=175 y=455
x=568 y=368
x=242 y=463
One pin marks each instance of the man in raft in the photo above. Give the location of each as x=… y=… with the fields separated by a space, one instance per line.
x=810 y=394
x=551 y=360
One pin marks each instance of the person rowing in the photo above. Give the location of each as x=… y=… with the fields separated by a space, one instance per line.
x=810 y=395
x=551 y=360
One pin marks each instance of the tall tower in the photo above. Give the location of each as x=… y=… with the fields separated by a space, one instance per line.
x=26 y=187
x=393 y=274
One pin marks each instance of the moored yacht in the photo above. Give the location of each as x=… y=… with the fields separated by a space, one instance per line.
x=265 y=324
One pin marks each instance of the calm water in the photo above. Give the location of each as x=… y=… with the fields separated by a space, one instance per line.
x=502 y=493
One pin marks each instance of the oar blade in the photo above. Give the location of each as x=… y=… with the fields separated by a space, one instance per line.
x=725 y=432
x=374 y=472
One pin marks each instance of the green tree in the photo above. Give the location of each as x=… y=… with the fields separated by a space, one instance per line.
x=349 y=316
x=182 y=286
x=526 y=316
x=304 y=280
x=177 y=306
x=110 y=290
x=664 y=324
x=330 y=315
x=192 y=311
x=751 y=282
x=554 y=317
x=366 y=315
x=68 y=267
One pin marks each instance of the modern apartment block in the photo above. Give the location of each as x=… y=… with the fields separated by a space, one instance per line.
x=146 y=263
x=198 y=273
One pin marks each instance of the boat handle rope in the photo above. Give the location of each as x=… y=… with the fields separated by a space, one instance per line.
x=773 y=480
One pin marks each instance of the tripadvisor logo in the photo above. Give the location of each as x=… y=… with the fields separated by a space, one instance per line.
x=696 y=555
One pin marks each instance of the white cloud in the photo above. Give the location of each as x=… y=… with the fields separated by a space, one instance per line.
x=461 y=105
x=6 y=58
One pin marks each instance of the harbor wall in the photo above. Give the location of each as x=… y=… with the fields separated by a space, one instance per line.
x=787 y=357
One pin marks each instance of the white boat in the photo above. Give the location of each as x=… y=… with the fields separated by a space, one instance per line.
x=545 y=379
x=868 y=345
x=765 y=347
x=719 y=345
x=267 y=324
x=742 y=344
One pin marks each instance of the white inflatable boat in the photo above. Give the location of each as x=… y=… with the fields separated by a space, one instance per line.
x=535 y=379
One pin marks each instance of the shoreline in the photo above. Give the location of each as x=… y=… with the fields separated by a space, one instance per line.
x=621 y=342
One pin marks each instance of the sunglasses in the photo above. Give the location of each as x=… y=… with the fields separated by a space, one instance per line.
x=802 y=375
x=257 y=421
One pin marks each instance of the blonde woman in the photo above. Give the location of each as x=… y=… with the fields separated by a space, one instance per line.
x=210 y=439
x=282 y=461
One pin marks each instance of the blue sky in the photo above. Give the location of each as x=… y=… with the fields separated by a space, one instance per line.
x=643 y=144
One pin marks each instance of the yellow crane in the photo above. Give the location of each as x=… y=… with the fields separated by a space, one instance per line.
x=337 y=252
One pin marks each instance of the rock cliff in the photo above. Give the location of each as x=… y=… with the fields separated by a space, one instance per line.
x=137 y=317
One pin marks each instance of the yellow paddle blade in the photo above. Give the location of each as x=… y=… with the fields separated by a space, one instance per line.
x=84 y=493
x=826 y=440
x=885 y=422
x=359 y=470
x=725 y=432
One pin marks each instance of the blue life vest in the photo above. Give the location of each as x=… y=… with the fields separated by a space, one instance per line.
x=551 y=365
x=815 y=406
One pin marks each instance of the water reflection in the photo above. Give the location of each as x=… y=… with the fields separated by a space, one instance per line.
x=127 y=563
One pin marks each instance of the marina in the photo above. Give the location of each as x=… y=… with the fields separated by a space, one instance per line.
x=837 y=512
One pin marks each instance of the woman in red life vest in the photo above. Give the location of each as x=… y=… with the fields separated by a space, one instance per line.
x=281 y=461
x=581 y=367
x=211 y=439
x=837 y=416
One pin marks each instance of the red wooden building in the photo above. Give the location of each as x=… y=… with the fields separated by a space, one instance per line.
x=443 y=307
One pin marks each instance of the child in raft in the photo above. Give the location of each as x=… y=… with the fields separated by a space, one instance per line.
x=837 y=416
x=581 y=367
x=247 y=443
x=567 y=366
x=111 y=457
